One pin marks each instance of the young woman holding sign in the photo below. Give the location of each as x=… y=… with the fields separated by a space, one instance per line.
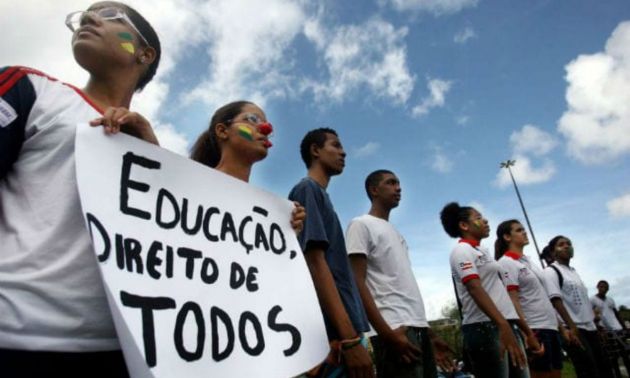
x=55 y=319
x=489 y=318
x=237 y=138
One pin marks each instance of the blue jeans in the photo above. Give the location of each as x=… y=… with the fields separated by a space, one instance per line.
x=481 y=344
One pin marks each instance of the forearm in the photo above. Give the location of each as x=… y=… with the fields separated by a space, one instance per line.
x=328 y=295
x=562 y=311
x=521 y=322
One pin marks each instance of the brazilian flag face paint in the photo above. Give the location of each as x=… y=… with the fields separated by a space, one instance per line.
x=245 y=132
x=128 y=45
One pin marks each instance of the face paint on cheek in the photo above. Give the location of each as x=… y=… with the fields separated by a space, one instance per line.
x=570 y=252
x=246 y=133
x=126 y=36
x=477 y=223
x=128 y=47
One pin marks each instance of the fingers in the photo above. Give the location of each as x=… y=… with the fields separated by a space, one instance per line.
x=113 y=118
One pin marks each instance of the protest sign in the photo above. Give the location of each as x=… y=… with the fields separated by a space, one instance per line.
x=203 y=273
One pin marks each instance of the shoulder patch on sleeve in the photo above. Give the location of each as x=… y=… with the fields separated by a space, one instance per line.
x=7 y=113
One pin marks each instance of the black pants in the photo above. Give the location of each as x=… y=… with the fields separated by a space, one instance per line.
x=590 y=361
x=29 y=364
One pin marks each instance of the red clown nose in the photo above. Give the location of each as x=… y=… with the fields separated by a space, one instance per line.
x=265 y=128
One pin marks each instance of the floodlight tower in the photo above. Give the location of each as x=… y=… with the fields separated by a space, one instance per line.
x=507 y=164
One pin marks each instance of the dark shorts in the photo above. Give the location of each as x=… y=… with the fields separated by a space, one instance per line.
x=32 y=364
x=552 y=359
x=389 y=365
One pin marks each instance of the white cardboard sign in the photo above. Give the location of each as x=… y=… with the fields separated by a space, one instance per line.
x=203 y=273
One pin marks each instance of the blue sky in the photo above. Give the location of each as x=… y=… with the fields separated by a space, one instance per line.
x=439 y=91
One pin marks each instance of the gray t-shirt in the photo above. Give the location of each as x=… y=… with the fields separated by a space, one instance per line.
x=322 y=225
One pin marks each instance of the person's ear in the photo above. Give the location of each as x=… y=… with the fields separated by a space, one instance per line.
x=147 y=56
x=221 y=131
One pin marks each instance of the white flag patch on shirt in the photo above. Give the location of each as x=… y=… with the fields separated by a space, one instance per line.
x=7 y=113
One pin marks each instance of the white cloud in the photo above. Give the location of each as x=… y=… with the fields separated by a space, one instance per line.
x=464 y=35
x=526 y=173
x=245 y=43
x=437 y=97
x=619 y=207
x=369 y=149
x=441 y=162
x=597 y=121
x=437 y=7
x=371 y=55
x=532 y=140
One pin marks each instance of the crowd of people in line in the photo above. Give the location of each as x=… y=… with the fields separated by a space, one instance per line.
x=516 y=317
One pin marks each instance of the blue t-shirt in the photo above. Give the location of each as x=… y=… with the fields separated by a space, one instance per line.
x=322 y=225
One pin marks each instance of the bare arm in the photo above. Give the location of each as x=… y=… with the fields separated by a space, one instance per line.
x=507 y=338
x=357 y=358
x=562 y=311
x=397 y=338
x=530 y=339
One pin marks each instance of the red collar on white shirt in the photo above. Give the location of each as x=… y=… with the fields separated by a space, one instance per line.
x=473 y=243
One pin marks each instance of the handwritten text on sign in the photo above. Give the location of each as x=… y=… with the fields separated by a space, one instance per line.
x=204 y=271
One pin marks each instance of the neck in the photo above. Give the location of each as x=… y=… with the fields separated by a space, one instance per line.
x=319 y=175
x=602 y=296
x=468 y=236
x=109 y=92
x=563 y=261
x=234 y=167
x=379 y=211
x=516 y=249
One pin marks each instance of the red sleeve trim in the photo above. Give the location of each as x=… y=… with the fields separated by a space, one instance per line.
x=9 y=78
x=86 y=98
x=470 y=277
x=512 y=287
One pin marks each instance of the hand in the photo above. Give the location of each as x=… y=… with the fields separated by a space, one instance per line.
x=574 y=337
x=358 y=362
x=443 y=354
x=508 y=342
x=121 y=119
x=398 y=341
x=533 y=346
x=297 y=217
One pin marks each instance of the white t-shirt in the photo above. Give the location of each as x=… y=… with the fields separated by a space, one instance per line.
x=606 y=309
x=469 y=261
x=389 y=276
x=573 y=294
x=51 y=292
x=521 y=275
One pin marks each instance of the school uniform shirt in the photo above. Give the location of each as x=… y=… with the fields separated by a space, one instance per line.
x=51 y=293
x=606 y=309
x=470 y=261
x=573 y=294
x=520 y=275
x=389 y=276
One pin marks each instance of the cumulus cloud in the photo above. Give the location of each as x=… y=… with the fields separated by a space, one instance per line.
x=532 y=140
x=436 y=98
x=370 y=55
x=597 y=121
x=619 y=207
x=368 y=149
x=441 y=162
x=528 y=142
x=526 y=173
x=464 y=35
x=437 y=7
x=246 y=58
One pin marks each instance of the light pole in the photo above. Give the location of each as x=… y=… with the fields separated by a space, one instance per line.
x=507 y=164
